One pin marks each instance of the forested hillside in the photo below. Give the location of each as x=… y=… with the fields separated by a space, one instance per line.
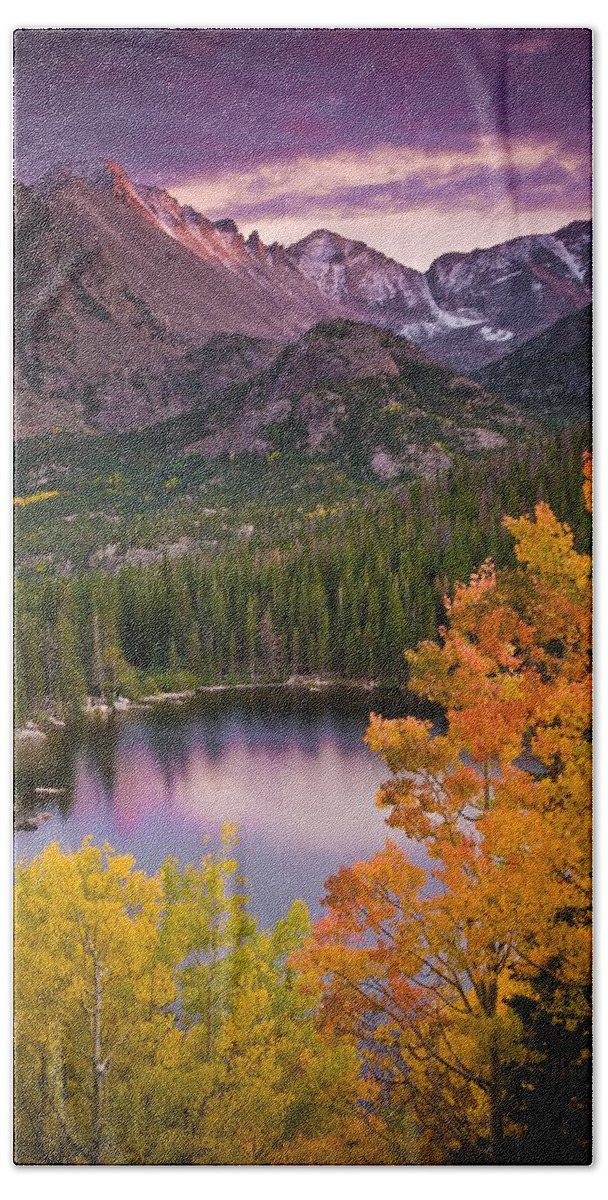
x=337 y=590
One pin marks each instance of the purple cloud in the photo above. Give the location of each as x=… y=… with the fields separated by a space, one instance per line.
x=195 y=109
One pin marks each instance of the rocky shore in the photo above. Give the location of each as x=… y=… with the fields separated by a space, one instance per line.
x=38 y=731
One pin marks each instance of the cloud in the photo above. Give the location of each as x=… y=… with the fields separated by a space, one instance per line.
x=387 y=175
x=540 y=42
x=493 y=179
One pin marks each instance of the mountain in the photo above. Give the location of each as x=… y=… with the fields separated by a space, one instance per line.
x=131 y=308
x=356 y=395
x=113 y=289
x=549 y=376
x=89 y=351
x=467 y=309
x=377 y=288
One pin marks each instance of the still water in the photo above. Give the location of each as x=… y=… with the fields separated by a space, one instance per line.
x=290 y=768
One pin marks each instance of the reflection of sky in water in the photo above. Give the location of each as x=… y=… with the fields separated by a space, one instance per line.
x=300 y=785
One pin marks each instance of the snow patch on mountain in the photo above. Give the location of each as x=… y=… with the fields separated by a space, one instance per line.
x=495 y=335
x=575 y=267
x=442 y=321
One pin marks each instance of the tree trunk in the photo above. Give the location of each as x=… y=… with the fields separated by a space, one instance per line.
x=54 y=1098
x=495 y=1096
x=99 y=1067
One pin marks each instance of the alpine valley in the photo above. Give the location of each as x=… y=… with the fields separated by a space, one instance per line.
x=223 y=440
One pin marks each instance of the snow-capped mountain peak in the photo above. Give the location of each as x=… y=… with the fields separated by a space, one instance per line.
x=468 y=307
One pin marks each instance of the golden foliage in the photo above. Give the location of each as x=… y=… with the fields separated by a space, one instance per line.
x=155 y=1024
x=34 y=498
x=420 y=963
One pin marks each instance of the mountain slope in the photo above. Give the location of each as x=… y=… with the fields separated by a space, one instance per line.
x=467 y=309
x=550 y=375
x=107 y=303
x=197 y=285
x=518 y=288
x=355 y=395
x=85 y=341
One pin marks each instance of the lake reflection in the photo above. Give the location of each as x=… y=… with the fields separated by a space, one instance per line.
x=290 y=769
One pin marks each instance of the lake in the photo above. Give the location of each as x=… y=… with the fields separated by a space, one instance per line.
x=288 y=766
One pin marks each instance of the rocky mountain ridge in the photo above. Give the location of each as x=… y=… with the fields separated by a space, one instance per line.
x=119 y=289
x=355 y=395
x=467 y=309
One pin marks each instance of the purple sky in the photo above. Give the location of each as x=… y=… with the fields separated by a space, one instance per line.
x=416 y=141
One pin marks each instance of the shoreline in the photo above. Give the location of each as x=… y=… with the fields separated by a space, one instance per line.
x=35 y=732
